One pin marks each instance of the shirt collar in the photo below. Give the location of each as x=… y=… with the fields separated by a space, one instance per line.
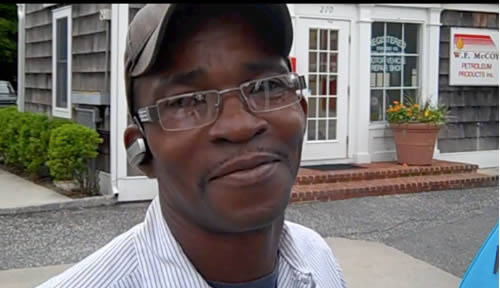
x=158 y=238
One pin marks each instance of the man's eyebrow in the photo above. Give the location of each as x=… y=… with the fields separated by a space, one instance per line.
x=265 y=66
x=182 y=78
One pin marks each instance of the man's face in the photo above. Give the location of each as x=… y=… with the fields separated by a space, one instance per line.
x=236 y=174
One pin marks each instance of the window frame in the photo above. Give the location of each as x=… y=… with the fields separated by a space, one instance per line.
x=384 y=54
x=63 y=12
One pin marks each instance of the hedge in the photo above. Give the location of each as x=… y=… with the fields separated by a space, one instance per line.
x=30 y=140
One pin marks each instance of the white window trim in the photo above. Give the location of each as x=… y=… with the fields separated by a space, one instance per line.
x=62 y=12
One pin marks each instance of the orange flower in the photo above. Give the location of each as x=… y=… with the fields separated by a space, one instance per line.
x=395 y=102
x=416 y=105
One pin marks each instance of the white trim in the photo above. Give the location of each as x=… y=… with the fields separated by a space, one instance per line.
x=431 y=76
x=118 y=117
x=383 y=156
x=359 y=143
x=137 y=188
x=59 y=13
x=326 y=162
x=484 y=159
x=48 y=5
x=21 y=60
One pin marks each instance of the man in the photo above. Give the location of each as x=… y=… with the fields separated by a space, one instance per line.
x=219 y=121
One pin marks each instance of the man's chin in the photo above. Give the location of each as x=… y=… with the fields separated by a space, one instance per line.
x=251 y=217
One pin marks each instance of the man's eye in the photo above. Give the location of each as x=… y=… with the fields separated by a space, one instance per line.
x=187 y=101
x=270 y=85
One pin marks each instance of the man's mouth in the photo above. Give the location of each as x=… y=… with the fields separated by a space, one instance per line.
x=247 y=169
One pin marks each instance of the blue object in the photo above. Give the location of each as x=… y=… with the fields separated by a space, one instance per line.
x=483 y=271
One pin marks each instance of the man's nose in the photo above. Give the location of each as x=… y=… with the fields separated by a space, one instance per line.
x=235 y=122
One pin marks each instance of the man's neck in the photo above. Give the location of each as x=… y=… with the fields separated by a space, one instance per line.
x=229 y=258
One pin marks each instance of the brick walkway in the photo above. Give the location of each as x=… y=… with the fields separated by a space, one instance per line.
x=383 y=178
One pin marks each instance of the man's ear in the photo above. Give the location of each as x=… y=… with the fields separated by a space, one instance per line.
x=131 y=135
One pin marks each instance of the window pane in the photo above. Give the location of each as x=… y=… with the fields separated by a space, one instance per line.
x=377 y=37
x=322 y=85
x=333 y=85
x=312 y=62
x=394 y=38
x=61 y=62
x=332 y=129
x=322 y=107
x=311 y=106
x=411 y=38
x=333 y=40
x=323 y=39
x=62 y=38
x=332 y=112
x=62 y=85
x=392 y=95
x=410 y=71
x=323 y=62
x=313 y=39
x=333 y=62
x=377 y=71
x=393 y=68
x=321 y=129
x=376 y=105
x=312 y=84
x=409 y=96
x=311 y=130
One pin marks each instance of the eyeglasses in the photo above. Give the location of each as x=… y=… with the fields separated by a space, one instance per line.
x=197 y=109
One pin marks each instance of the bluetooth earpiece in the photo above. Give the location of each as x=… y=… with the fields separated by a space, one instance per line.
x=137 y=153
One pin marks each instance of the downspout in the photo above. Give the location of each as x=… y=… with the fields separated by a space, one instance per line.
x=20 y=55
x=112 y=100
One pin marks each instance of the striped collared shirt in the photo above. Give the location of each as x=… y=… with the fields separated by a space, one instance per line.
x=148 y=256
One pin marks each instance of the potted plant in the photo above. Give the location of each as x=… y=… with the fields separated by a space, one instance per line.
x=415 y=129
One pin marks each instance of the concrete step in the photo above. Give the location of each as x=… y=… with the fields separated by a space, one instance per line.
x=386 y=186
x=381 y=170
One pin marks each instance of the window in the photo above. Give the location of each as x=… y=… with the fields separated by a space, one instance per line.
x=394 y=66
x=323 y=61
x=61 y=62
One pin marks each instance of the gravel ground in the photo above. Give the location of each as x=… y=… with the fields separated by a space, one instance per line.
x=444 y=228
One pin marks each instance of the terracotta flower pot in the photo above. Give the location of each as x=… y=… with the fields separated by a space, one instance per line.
x=415 y=142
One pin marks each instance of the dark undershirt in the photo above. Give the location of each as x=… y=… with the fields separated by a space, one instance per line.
x=268 y=281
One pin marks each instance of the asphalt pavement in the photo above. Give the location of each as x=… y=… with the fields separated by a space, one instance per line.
x=442 y=229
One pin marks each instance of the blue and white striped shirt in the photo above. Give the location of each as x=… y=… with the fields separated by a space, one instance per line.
x=148 y=256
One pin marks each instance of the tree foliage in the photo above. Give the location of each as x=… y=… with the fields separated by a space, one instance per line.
x=8 y=33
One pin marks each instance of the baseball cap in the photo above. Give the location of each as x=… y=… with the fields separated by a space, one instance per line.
x=146 y=33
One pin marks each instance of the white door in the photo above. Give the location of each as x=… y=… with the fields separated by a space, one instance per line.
x=323 y=57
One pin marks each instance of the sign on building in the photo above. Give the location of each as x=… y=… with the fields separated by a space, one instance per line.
x=473 y=57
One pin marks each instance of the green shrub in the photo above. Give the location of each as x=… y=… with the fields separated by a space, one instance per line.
x=7 y=116
x=33 y=141
x=30 y=140
x=39 y=129
x=70 y=148
x=14 y=131
x=24 y=138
